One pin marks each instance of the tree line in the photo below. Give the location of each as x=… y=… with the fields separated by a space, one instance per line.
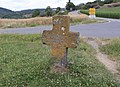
x=95 y=4
x=110 y=1
x=58 y=11
x=70 y=7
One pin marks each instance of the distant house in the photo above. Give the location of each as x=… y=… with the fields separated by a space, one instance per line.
x=54 y=9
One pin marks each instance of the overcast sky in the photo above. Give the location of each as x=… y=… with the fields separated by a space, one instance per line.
x=17 y=5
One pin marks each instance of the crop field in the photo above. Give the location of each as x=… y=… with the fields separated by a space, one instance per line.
x=106 y=12
x=38 y=21
x=32 y=22
x=25 y=62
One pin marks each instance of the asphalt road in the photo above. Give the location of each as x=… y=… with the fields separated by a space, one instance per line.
x=74 y=13
x=102 y=30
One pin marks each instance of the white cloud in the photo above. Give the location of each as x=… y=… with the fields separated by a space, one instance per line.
x=32 y=4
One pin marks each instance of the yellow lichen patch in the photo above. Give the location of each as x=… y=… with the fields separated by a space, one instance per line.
x=58 y=52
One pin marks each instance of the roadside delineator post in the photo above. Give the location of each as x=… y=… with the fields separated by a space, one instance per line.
x=92 y=12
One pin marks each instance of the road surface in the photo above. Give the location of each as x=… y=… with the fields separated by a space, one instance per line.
x=74 y=13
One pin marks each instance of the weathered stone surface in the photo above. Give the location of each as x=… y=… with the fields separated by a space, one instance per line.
x=60 y=39
x=58 y=52
x=68 y=39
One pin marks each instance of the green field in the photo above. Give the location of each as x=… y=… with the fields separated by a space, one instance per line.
x=25 y=62
x=106 y=12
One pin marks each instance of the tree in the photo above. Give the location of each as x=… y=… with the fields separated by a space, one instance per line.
x=70 y=6
x=80 y=6
x=48 y=11
x=116 y=0
x=58 y=9
x=36 y=13
x=108 y=1
x=100 y=2
x=88 y=5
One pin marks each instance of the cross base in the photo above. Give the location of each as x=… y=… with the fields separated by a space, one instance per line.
x=60 y=62
x=56 y=68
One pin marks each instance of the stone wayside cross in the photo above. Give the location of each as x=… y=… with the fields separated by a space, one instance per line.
x=60 y=39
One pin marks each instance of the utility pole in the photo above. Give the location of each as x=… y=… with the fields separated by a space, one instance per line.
x=69 y=1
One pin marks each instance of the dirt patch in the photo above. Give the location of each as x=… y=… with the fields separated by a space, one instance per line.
x=103 y=58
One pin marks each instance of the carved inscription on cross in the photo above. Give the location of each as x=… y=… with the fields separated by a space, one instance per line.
x=60 y=39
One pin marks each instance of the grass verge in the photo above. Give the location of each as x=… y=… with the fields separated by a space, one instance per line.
x=84 y=19
x=113 y=50
x=24 y=62
x=92 y=21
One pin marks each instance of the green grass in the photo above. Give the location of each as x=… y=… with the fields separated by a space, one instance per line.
x=112 y=49
x=25 y=62
x=92 y=21
x=106 y=12
x=88 y=21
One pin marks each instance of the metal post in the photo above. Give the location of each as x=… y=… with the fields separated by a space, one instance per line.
x=64 y=61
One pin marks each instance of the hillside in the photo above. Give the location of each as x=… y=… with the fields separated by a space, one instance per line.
x=28 y=12
x=6 y=13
